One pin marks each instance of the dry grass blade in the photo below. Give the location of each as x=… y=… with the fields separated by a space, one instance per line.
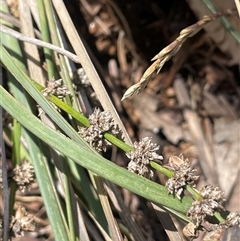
x=168 y=52
x=37 y=42
x=237 y=6
x=31 y=50
x=167 y=223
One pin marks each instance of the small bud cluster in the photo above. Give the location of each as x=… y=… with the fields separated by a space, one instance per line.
x=183 y=175
x=23 y=175
x=22 y=221
x=100 y=123
x=55 y=87
x=144 y=151
x=83 y=77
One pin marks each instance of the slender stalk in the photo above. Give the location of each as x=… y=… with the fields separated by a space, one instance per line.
x=46 y=37
x=16 y=134
x=194 y=193
x=162 y=169
x=69 y=205
x=219 y=217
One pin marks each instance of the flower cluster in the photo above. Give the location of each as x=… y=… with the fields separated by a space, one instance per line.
x=100 y=123
x=233 y=219
x=144 y=151
x=23 y=175
x=83 y=79
x=212 y=197
x=183 y=175
x=55 y=87
x=22 y=221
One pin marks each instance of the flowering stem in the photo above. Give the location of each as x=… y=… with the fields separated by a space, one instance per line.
x=170 y=174
x=218 y=216
x=68 y=109
x=120 y=144
x=117 y=142
x=161 y=169
x=194 y=193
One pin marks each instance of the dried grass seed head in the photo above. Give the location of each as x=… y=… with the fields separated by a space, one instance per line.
x=83 y=77
x=183 y=175
x=23 y=175
x=100 y=123
x=144 y=151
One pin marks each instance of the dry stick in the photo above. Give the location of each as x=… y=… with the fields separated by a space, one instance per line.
x=116 y=235
x=205 y=156
x=37 y=42
x=123 y=211
x=121 y=53
x=165 y=54
x=93 y=13
x=167 y=223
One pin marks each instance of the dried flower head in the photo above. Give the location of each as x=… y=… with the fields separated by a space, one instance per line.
x=55 y=87
x=100 y=123
x=83 y=77
x=183 y=175
x=214 y=232
x=24 y=175
x=233 y=219
x=22 y=221
x=144 y=151
x=211 y=201
x=190 y=230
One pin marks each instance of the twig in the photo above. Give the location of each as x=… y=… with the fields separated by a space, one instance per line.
x=121 y=52
x=37 y=42
x=168 y=52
